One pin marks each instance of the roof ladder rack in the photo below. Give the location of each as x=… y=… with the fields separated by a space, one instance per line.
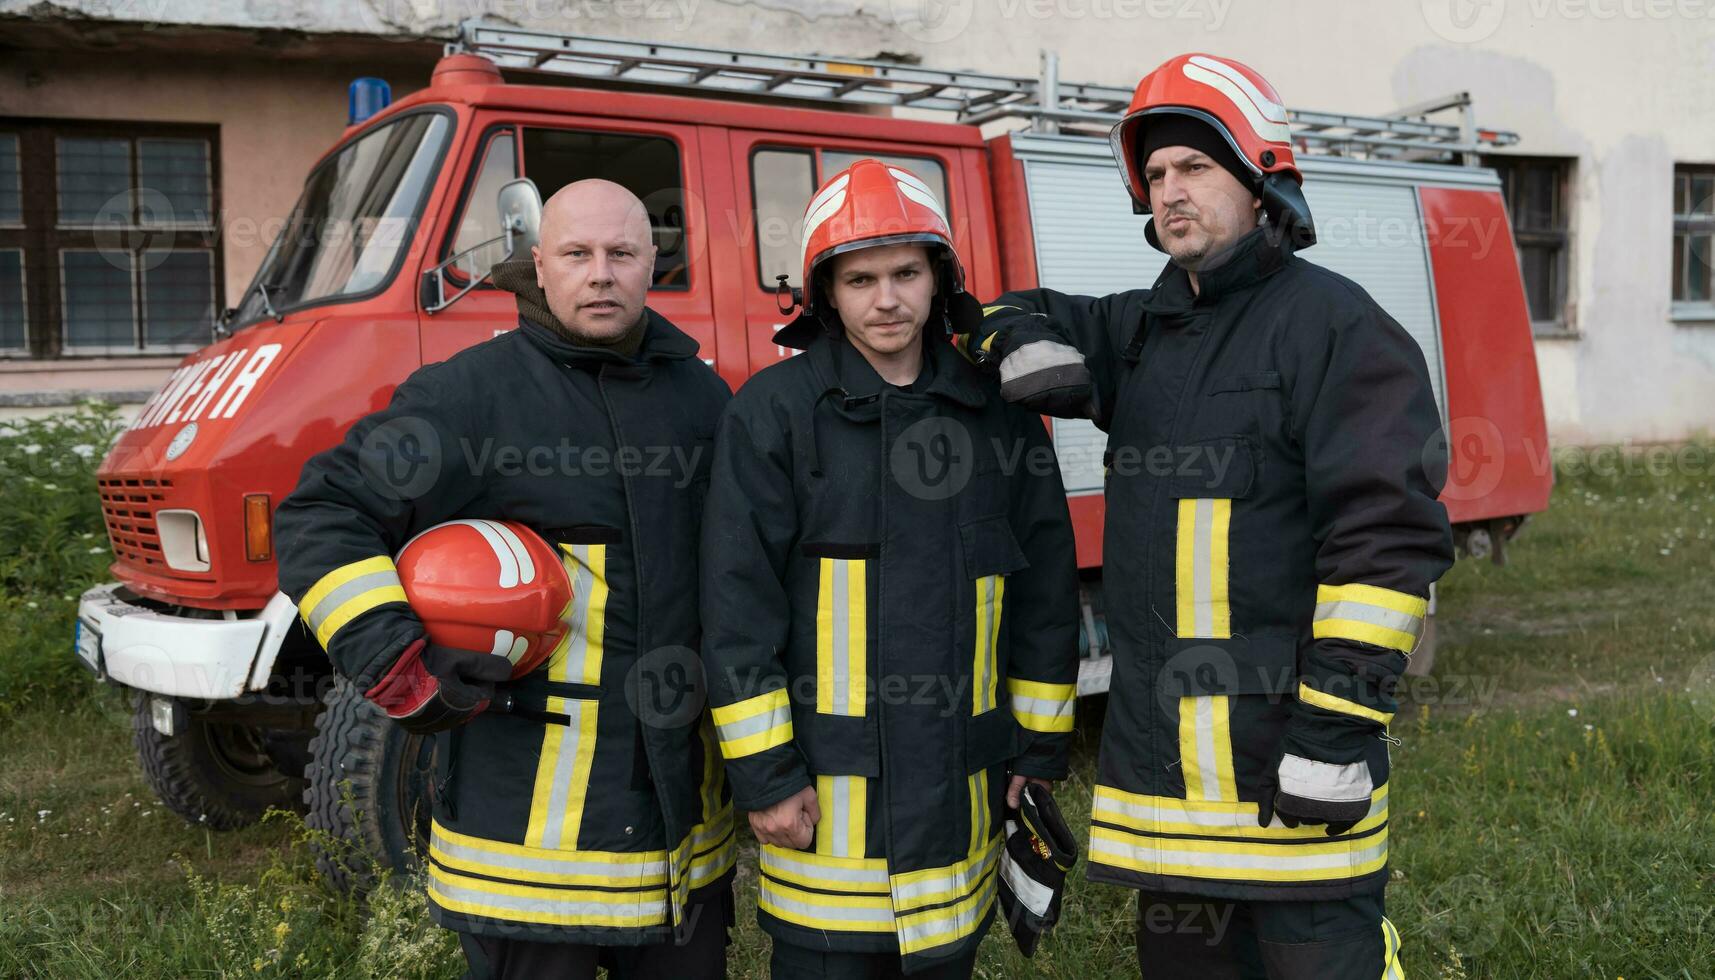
x=1047 y=102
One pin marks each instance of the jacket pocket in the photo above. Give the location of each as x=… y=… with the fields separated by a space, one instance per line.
x=1203 y=682
x=991 y=554
x=990 y=740
x=1255 y=381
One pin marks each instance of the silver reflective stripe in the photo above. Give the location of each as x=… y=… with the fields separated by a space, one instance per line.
x=1207 y=818
x=1041 y=706
x=578 y=647
x=1038 y=355
x=1363 y=612
x=951 y=881
x=732 y=731
x=985 y=646
x=1314 y=780
x=565 y=761
x=841 y=636
x=1202 y=586
x=844 y=913
x=774 y=860
x=338 y=597
x=651 y=873
x=1143 y=854
x=641 y=905
x=916 y=936
x=1206 y=767
x=1034 y=894
x=840 y=790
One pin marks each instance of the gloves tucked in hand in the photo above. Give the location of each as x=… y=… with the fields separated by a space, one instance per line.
x=1323 y=776
x=1038 y=369
x=434 y=688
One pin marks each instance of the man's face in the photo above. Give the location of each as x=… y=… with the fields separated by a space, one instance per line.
x=1199 y=207
x=883 y=295
x=595 y=261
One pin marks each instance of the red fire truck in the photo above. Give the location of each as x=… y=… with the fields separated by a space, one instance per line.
x=380 y=270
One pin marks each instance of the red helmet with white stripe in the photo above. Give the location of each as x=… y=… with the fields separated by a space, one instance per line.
x=1239 y=103
x=867 y=205
x=488 y=585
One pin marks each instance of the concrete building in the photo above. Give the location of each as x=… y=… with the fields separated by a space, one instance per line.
x=225 y=105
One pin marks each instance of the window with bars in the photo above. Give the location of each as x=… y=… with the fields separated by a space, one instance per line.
x=108 y=237
x=1694 y=239
x=1535 y=190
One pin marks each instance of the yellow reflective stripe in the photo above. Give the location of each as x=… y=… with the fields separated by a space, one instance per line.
x=1235 y=860
x=1369 y=614
x=1042 y=707
x=862 y=875
x=1206 y=747
x=820 y=910
x=517 y=862
x=989 y=311
x=348 y=592
x=1391 y=967
x=842 y=637
x=1213 y=820
x=577 y=659
x=985 y=664
x=563 y=775
x=921 y=931
x=754 y=724
x=1201 y=600
x=843 y=829
x=546 y=905
x=1320 y=699
x=933 y=886
x=977 y=787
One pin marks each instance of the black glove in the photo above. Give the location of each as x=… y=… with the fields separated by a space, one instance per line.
x=1038 y=368
x=434 y=688
x=1322 y=775
x=1038 y=851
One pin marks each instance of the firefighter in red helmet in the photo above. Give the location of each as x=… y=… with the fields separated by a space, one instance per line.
x=1266 y=588
x=495 y=507
x=890 y=611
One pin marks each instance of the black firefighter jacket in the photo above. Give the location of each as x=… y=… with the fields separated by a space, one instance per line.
x=595 y=829
x=890 y=606
x=1274 y=458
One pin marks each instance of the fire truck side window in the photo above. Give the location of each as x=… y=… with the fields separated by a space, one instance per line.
x=481 y=220
x=648 y=166
x=782 y=182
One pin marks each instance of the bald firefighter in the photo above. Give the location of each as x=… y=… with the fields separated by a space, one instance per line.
x=568 y=831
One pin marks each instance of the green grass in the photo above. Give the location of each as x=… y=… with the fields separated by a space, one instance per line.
x=1552 y=792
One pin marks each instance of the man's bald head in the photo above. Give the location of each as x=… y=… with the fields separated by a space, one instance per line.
x=596 y=258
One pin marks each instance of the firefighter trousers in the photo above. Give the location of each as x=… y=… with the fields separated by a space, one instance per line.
x=1195 y=937
x=789 y=962
x=701 y=957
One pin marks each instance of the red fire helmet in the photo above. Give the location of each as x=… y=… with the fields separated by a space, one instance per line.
x=870 y=204
x=1239 y=103
x=488 y=585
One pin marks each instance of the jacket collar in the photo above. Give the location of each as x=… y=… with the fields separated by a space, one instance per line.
x=849 y=381
x=1250 y=260
x=662 y=341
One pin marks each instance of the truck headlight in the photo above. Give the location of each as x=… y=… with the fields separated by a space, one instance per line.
x=184 y=545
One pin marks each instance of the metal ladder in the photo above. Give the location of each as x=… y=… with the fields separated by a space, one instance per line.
x=1047 y=102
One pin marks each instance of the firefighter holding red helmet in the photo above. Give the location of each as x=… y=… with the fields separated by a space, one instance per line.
x=889 y=602
x=505 y=556
x=1272 y=532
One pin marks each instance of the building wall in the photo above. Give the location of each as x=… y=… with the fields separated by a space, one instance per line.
x=1621 y=85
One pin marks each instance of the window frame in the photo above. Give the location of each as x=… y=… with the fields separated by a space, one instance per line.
x=1510 y=168
x=1685 y=310
x=815 y=151
x=42 y=239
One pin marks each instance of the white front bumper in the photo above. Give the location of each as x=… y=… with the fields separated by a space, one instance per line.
x=166 y=654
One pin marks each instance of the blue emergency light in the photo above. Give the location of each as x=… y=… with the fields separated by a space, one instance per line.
x=367 y=96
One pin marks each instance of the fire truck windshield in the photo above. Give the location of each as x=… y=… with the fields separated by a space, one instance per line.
x=349 y=230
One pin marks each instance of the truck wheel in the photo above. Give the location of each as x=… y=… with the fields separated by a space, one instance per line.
x=369 y=791
x=218 y=774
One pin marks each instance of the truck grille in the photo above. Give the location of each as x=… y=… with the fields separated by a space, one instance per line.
x=129 y=504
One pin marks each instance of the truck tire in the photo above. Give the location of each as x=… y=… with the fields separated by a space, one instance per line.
x=217 y=774
x=369 y=791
